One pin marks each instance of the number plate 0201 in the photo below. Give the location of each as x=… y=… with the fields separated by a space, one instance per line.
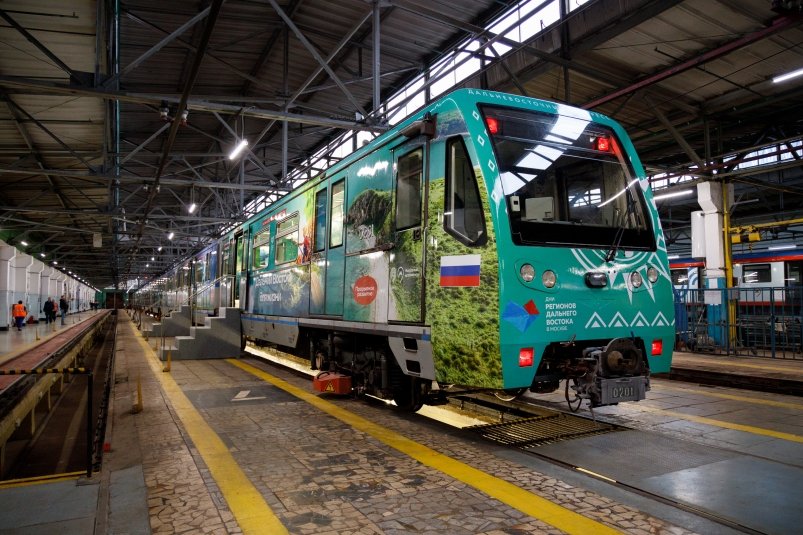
x=622 y=389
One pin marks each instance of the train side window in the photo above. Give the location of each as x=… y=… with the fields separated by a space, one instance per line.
x=319 y=240
x=463 y=214
x=338 y=204
x=261 y=250
x=794 y=273
x=226 y=260
x=756 y=273
x=408 y=189
x=287 y=240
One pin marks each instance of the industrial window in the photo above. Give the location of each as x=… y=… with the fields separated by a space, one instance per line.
x=319 y=240
x=408 y=190
x=287 y=240
x=261 y=249
x=756 y=273
x=463 y=214
x=338 y=203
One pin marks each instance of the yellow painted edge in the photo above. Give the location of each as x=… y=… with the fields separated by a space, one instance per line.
x=727 y=425
x=28 y=481
x=504 y=491
x=247 y=505
x=747 y=399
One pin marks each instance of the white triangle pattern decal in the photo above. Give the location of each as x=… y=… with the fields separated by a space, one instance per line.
x=595 y=322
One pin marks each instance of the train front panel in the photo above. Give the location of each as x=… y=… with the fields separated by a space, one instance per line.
x=584 y=289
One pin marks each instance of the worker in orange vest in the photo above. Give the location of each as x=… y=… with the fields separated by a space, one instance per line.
x=19 y=312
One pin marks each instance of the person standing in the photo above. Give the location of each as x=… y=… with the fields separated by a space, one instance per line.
x=49 y=311
x=19 y=312
x=63 y=306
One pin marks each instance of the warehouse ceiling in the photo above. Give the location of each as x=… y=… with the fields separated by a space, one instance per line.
x=99 y=163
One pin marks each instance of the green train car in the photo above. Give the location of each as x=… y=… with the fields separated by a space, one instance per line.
x=490 y=241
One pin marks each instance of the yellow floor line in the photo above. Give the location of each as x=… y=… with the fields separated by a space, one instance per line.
x=790 y=369
x=727 y=425
x=246 y=503
x=28 y=481
x=514 y=496
x=746 y=399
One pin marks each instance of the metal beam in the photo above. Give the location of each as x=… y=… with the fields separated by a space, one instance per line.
x=35 y=42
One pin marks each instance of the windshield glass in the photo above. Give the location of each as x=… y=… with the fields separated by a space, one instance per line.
x=566 y=181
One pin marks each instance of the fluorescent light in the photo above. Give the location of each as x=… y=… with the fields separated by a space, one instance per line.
x=238 y=149
x=787 y=76
x=42 y=255
x=192 y=208
x=672 y=194
x=170 y=236
x=24 y=243
x=160 y=248
x=55 y=262
x=782 y=247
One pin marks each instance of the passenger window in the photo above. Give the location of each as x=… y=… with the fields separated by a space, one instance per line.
x=319 y=240
x=287 y=240
x=408 y=190
x=463 y=214
x=199 y=271
x=756 y=273
x=338 y=202
x=261 y=250
x=226 y=260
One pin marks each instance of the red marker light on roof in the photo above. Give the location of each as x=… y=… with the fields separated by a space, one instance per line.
x=603 y=144
x=493 y=125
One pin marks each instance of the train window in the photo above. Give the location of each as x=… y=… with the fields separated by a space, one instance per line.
x=408 y=189
x=336 y=227
x=463 y=214
x=319 y=240
x=261 y=249
x=794 y=273
x=680 y=277
x=287 y=240
x=226 y=260
x=563 y=186
x=756 y=273
x=200 y=266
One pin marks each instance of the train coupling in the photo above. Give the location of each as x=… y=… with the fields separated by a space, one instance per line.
x=332 y=383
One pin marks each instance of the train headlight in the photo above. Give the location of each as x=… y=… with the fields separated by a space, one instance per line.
x=527 y=272
x=652 y=275
x=636 y=280
x=548 y=278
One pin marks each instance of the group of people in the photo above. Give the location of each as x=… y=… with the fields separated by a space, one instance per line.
x=20 y=312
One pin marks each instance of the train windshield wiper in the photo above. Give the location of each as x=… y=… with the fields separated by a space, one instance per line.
x=620 y=231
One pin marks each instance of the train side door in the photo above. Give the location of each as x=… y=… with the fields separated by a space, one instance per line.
x=227 y=260
x=241 y=273
x=317 y=304
x=335 y=256
x=406 y=262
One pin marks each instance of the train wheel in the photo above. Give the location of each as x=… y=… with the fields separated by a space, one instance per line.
x=510 y=394
x=409 y=397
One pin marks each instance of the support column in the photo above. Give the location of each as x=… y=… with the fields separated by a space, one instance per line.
x=710 y=198
x=35 y=289
x=44 y=288
x=19 y=274
x=60 y=286
x=7 y=254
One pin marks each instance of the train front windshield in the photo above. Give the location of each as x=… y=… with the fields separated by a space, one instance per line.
x=566 y=181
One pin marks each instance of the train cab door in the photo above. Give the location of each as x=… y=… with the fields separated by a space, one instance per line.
x=226 y=268
x=406 y=261
x=241 y=273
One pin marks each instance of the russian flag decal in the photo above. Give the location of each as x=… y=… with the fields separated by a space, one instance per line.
x=463 y=270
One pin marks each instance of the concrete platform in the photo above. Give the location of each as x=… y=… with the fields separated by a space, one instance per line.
x=231 y=446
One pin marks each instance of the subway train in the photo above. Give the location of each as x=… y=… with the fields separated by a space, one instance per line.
x=761 y=277
x=488 y=242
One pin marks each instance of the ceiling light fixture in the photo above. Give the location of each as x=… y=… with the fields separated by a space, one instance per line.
x=787 y=76
x=662 y=196
x=24 y=243
x=238 y=149
x=170 y=236
x=192 y=208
